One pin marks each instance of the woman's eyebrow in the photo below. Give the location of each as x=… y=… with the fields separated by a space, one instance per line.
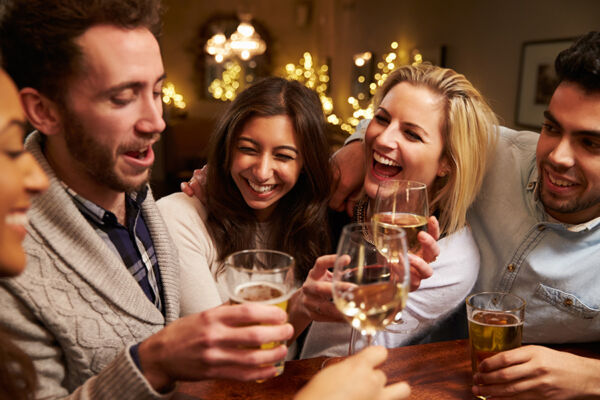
x=14 y=122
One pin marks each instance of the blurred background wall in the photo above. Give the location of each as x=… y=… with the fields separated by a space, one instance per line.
x=482 y=39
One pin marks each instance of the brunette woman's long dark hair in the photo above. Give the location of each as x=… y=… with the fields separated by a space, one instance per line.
x=298 y=225
x=17 y=375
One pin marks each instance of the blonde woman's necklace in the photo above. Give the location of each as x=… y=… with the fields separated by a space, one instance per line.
x=359 y=213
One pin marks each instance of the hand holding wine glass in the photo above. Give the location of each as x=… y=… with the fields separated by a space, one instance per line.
x=371 y=276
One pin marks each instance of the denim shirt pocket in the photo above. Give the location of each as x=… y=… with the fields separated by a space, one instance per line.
x=566 y=302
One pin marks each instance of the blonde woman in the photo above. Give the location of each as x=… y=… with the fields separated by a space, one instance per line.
x=430 y=125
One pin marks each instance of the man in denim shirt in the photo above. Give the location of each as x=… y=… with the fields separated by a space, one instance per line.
x=536 y=223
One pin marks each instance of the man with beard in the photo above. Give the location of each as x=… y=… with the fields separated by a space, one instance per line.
x=96 y=309
x=536 y=222
x=537 y=225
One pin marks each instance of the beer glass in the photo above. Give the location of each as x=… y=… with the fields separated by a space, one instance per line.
x=261 y=276
x=495 y=324
x=404 y=204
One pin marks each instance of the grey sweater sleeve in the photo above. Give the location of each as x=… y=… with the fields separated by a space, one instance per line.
x=120 y=378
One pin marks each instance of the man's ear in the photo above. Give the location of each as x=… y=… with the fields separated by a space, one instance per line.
x=41 y=112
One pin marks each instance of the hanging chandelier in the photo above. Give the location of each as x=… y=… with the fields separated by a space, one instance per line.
x=244 y=43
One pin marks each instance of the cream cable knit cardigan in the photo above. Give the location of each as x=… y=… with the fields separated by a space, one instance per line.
x=76 y=309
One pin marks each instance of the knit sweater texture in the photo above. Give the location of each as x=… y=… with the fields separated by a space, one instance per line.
x=76 y=309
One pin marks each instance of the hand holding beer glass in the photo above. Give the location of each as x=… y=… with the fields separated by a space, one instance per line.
x=261 y=276
x=495 y=324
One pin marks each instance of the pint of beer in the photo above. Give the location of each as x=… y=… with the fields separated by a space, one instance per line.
x=260 y=276
x=495 y=324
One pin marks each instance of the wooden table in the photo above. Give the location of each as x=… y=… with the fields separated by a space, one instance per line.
x=435 y=371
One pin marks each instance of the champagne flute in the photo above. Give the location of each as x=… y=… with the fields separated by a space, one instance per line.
x=371 y=276
x=405 y=204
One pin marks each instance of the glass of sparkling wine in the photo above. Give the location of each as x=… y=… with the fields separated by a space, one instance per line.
x=495 y=324
x=371 y=276
x=405 y=204
x=261 y=276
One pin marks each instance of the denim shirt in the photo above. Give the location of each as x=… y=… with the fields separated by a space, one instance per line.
x=555 y=267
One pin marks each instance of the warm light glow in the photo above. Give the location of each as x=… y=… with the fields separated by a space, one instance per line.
x=245 y=43
x=313 y=76
x=170 y=96
x=245 y=29
x=226 y=88
x=417 y=57
x=217 y=46
x=317 y=78
x=362 y=58
x=219 y=38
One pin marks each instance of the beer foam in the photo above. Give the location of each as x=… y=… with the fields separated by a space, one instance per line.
x=263 y=292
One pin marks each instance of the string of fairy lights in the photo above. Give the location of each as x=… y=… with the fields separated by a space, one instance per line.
x=314 y=76
x=226 y=88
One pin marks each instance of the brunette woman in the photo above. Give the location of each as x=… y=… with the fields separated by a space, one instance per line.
x=267 y=186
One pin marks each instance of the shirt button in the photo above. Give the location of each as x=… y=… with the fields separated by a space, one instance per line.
x=568 y=302
x=541 y=227
x=510 y=267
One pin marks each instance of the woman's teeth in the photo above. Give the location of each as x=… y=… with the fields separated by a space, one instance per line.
x=16 y=219
x=384 y=160
x=261 y=188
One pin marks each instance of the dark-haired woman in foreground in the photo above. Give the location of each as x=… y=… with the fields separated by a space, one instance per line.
x=20 y=178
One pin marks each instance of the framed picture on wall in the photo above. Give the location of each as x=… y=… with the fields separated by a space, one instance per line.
x=537 y=80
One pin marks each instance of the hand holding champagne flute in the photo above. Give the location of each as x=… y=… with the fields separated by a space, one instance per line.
x=371 y=276
x=403 y=204
x=261 y=276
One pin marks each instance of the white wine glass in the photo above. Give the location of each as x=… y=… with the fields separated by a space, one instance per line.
x=404 y=204
x=371 y=276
